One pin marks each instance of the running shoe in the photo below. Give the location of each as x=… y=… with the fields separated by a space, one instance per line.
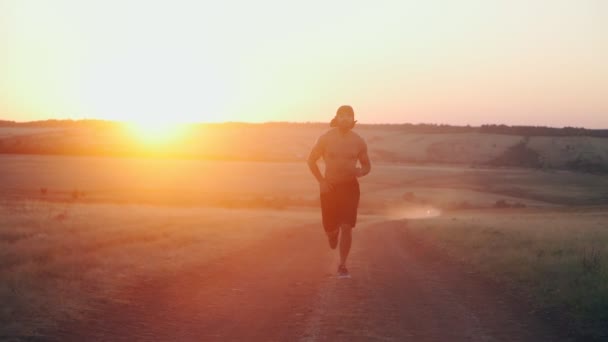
x=343 y=272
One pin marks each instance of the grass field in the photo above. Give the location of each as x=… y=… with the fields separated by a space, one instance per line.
x=195 y=182
x=25 y=132
x=264 y=142
x=56 y=262
x=101 y=222
x=558 y=258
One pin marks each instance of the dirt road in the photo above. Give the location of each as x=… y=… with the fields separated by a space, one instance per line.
x=284 y=289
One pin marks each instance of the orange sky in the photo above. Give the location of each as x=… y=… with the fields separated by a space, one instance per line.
x=536 y=62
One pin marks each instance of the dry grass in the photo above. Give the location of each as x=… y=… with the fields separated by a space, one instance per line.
x=452 y=148
x=258 y=184
x=292 y=142
x=31 y=131
x=559 y=258
x=557 y=152
x=55 y=260
x=60 y=252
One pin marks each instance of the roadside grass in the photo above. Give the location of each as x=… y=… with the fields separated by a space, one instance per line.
x=558 y=259
x=57 y=260
x=282 y=185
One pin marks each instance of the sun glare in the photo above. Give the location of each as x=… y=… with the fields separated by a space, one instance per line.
x=156 y=132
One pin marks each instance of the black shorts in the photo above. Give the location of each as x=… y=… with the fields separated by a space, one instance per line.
x=339 y=206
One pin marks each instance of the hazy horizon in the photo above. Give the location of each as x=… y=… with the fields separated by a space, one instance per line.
x=518 y=63
x=298 y=122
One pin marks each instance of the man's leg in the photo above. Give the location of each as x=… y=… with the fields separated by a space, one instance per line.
x=345 y=242
x=329 y=216
x=332 y=237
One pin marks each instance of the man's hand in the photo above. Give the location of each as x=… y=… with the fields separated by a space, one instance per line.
x=360 y=172
x=325 y=186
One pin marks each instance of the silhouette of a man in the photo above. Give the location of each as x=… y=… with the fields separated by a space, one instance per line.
x=340 y=148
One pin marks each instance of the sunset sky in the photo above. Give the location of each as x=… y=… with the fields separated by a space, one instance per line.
x=535 y=62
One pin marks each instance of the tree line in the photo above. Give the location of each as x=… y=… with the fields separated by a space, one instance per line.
x=405 y=127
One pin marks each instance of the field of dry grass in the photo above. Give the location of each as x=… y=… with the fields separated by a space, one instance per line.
x=260 y=184
x=265 y=142
x=57 y=260
x=558 y=258
x=25 y=132
x=101 y=222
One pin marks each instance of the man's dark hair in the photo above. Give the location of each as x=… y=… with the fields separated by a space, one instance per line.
x=343 y=110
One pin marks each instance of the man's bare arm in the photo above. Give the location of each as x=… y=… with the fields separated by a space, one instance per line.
x=366 y=164
x=315 y=154
x=314 y=168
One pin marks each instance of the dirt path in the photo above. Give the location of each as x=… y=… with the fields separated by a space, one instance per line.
x=284 y=289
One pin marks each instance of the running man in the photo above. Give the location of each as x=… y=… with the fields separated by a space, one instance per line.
x=340 y=148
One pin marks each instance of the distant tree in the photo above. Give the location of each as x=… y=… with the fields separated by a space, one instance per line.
x=518 y=155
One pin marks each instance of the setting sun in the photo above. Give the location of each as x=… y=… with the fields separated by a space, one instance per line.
x=156 y=132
